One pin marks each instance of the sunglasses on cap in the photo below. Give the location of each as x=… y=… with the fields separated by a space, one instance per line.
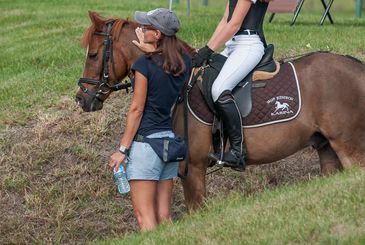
x=146 y=28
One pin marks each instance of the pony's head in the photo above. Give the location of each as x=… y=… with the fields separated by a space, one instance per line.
x=109 y=56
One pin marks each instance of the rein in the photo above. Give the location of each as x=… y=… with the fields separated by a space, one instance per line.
x=184 y=99
x=103 y=84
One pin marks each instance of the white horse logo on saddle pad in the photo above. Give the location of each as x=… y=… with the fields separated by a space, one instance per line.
x=281 y=109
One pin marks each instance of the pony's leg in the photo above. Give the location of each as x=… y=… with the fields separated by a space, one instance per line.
x=347 y=139
x=199 y=146
x=328 y=160
x=350 y=153
x=194 y=187
x=348 y=143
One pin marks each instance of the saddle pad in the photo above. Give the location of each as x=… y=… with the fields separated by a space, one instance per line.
x=278 y=101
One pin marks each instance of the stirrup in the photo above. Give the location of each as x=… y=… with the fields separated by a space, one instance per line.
x=241 y=166
x=212 y=156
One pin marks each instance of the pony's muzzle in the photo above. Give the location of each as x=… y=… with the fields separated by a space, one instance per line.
x=88 y=103
x=79 y=100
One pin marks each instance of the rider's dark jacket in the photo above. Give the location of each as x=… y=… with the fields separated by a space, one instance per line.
x=254 y=18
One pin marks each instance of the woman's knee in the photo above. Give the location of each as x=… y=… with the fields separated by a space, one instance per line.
x=146 y=220
x=163 y=215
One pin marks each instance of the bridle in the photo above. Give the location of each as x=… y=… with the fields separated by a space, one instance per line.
x=103 y=83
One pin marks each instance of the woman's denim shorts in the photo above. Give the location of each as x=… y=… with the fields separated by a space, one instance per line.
x=144 y=164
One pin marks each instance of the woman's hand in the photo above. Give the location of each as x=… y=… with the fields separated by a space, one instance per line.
x=202 y=56
x=116 y=159
x=145 y=47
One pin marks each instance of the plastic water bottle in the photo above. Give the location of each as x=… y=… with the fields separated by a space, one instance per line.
x=121 y=181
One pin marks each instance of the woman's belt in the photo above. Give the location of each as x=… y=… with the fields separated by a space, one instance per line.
x=247 y=32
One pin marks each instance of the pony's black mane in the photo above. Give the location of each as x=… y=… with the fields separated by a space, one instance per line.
x=299 y=56
x=353 y=58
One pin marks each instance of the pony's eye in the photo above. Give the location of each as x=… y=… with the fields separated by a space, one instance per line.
x=92 y=55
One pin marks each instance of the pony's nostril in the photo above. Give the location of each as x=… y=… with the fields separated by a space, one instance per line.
x=79 y=100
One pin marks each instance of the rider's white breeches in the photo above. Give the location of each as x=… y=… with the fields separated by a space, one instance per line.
x=244 y=52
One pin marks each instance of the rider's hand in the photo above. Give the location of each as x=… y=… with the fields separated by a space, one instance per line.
x=202 y=56
x=116 y=159
x=145 y=47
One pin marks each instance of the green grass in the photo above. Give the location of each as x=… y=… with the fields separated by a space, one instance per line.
x=322 y=211
x=41 y=59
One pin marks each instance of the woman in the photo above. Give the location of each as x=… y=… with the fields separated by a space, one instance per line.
x=159 y=76
x=241 y=30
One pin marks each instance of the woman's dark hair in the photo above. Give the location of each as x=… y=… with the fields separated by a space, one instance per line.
x=172 y=49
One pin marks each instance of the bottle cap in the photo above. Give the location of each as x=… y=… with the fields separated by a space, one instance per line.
x=118 y=170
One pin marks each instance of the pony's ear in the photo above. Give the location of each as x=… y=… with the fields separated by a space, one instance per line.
x=97 y=20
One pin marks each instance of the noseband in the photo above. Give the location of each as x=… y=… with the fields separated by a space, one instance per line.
x=103 y=83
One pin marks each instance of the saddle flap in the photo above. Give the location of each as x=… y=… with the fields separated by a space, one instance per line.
x=242 y=95
x=217 y=61
x=208 y=75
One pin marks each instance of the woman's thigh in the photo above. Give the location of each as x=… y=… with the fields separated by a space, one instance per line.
x=143 y=193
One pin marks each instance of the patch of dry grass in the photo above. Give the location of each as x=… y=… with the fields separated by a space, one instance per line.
x=55 y=188
x=54 y=185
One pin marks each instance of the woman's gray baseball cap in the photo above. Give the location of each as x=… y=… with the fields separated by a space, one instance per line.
x=162 y=19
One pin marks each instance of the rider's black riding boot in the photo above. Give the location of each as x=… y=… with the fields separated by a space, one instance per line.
x=232 y=123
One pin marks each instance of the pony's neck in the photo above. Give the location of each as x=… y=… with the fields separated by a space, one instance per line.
x=130 y=52
x=188 y=49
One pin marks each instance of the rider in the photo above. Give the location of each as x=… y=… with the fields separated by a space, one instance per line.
x=241 y=30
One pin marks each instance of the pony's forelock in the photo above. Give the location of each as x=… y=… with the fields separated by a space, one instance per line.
x=86 y=37
x=117 y=28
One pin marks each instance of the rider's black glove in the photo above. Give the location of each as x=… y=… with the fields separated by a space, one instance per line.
x=202 y=56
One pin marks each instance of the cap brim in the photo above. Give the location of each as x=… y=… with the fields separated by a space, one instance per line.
x=141 y=18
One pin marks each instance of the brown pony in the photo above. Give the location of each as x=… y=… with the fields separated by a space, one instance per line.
x=333 y=106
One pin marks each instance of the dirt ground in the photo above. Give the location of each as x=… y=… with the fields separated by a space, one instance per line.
x=55 y=188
